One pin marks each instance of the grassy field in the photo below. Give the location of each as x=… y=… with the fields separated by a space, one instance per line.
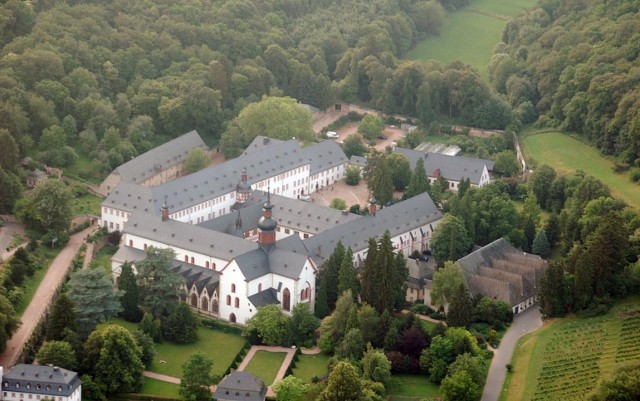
x=159 y=388
x=87 y=204
x=469 y=35
x=103 y=258
x=566 y=359
x=30 y=286
x=311 y=365
x=411 y=388
x=266 y=365
x=219 y=346
x=567 y=154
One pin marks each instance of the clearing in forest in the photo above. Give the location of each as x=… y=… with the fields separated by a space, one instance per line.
x=568 y=155
x=470 y=34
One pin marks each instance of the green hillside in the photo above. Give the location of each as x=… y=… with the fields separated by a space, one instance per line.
x=470 y=34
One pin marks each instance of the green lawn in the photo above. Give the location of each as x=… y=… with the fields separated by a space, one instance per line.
x=159 y=388
x=219 y=346
x=567 y=155
x=103 y=258
x=311 y=365
x=87 y=204
x=411 y=388
x=568 y=357
x=469 y=35
x=30 y=286
x=266 y=365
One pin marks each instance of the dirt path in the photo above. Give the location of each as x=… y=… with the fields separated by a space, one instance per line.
x=50 y=283
x=158 y=376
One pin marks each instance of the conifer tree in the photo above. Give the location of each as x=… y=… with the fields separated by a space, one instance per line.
x=130 y=296
x=419 y=182
x=62 y=316
x=368 y=275
x=348 y=279
x=402 y=272
x=460 y=308
x=322 y=308
x=385 y=279
x=540 y=244
x=331 y=274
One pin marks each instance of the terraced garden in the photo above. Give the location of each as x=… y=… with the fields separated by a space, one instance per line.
x=567 y=359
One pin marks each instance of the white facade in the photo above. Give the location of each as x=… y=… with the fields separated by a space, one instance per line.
x=36 y=382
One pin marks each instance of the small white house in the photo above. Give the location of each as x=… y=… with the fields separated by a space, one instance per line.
x=39 y=382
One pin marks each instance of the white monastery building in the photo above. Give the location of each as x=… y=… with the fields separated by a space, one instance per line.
x=39 y=382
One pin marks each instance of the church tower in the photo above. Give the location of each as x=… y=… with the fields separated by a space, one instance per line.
x=243 y=189
x=267 y=225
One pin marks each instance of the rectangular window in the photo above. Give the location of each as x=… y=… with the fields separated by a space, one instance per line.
x=286 y=231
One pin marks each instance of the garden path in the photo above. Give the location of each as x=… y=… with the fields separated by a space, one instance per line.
x=283 y=368
x=40 y=302
x=158 y=376
x=427 y=318
x=524 y=323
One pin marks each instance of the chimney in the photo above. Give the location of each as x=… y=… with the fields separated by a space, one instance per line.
x=265 y=140
x=372 y=206
x=243 y=176
x=165 y=210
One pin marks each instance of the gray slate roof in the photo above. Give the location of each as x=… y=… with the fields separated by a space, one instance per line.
x=52 y=381
x=276 y=260
x=200 y=276
x=260 y=142
x=500 y=271
x=240 y=383
x=358 y=161
x=265 y=297
x=451 y=167
x=164 y=156
x=209 y=183
x=188 y=237
x=397 y=218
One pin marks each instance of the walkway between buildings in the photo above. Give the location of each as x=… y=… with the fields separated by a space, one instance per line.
x=41 y=299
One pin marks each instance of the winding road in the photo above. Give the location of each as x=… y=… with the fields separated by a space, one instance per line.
x=524 y=323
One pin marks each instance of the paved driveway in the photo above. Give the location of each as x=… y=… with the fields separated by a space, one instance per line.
x=526 y=322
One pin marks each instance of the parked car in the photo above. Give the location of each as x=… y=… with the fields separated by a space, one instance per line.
x=382 y=137
x=332 y=134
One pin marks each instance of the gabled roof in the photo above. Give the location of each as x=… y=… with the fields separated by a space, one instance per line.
x=453 y=168
x=500 y=271
x=40 y=379
x=265 y=297
x=197 y=275
x=259 y=143
x=400 y=217
x=188 y=237
x=161 y=157
x=276 y=260
x=247 y=386
x=324 y=155
x=131 y=197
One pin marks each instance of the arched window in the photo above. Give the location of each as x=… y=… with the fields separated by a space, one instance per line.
x=145 y=247
x=233 y=288
x=260 y=287
x=232 y=318
x=303 y=294
x=214 y=266
x=237 y=302
x=206 y=264
x=186 y=258
x=130 y=242
x=204 y=303
x=228 y=299
x=193 y=260
x=286 y=299
x=194 y=300
x=214 y=306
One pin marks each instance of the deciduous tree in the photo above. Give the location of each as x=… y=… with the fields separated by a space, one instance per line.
x=197 y=377
x=450 y=240
x=58 y=353
x=48 y=206
x=181 y=326
x=445 y=283
x=343 y=384
x=197 y=159
x=271 y=324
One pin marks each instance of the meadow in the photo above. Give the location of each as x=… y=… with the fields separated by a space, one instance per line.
x=567 y=155
x=309 y=366
x=470 y=34
x=412 y=388
x=567 y=358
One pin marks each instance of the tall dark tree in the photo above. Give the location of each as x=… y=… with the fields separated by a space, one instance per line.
x=450 y=239
x=9 y=322
x=460 y=312
x=10 y=191
x=158 y=285
x=419 y=182
x=553 y=292
x=331 y=274
x=348 y=279
x=63 y=316
x=380 y=182
x=368 y=275
x=181 y=326
x=400 y=283
x=130 y=300
x=322 y=307
x=540 y=183
x=540 y=244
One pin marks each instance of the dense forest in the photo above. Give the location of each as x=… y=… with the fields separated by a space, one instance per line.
x=109 y=80
x=574 y=64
